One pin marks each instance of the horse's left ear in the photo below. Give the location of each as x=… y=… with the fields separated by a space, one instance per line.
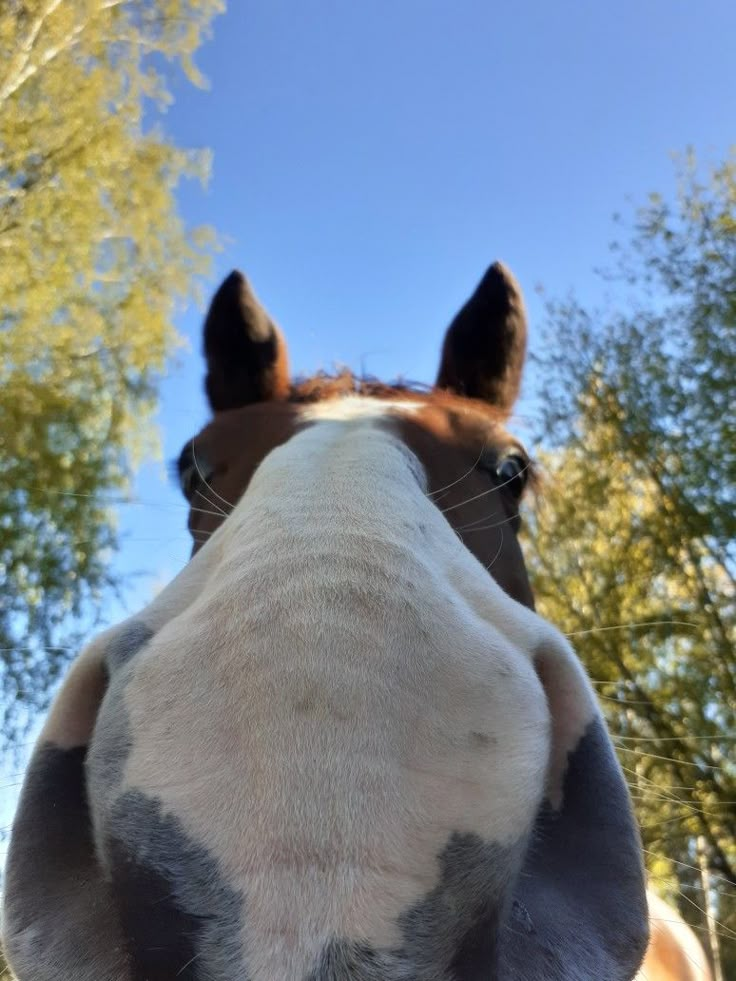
x=245 y=351
x=485 y=345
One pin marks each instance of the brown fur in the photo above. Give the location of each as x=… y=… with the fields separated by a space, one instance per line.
x=245 y=352
x=485 y=346
x=674 y=952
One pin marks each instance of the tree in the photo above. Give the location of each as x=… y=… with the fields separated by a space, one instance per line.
x=638 y=521
x=92 y=257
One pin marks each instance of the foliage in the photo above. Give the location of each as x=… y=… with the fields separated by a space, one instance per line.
x=92 y=256
x=637 y=520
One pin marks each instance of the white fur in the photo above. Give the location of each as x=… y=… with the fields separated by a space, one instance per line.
x=326 y=661
x=354 y=407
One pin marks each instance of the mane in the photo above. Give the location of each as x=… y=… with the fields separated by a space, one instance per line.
x=323 y=386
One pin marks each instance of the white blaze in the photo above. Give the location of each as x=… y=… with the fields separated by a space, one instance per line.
x=351 y=687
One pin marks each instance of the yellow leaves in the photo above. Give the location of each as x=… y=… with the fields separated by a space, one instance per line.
x=42 y=33
x=614 y=564
x=93 y=258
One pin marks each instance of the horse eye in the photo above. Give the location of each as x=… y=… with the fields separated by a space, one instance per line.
x=513 y=472
x=194 y=474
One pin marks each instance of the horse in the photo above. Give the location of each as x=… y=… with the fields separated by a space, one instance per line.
x=674 y=952
x=341 y=743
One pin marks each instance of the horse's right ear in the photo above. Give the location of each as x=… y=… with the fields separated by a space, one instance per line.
x=483 y=353
x=245 y=351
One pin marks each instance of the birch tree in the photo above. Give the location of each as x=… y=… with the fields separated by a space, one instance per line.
x=93 y=257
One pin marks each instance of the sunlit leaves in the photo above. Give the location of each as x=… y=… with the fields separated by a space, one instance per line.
x=93 y=256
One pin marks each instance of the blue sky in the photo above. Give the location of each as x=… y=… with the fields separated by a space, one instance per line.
x=371 y=159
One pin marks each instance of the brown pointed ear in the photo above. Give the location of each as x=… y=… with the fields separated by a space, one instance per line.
x=483 y=353
x=245 y=351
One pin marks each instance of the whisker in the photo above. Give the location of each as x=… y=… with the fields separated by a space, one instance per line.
x=688 y=788
x=655 y=792
x=660 y=794
x=219 y=510
x=190 y=961
x=696 y=962
x=684 y=865
x=727 y=932
x=691 y=808
x=608 y=681
x=464 y=476
x=630 y=626
x=496 y=524
x=207 y=500
x=674 y=739
x=672 y=759
x=472 y=524
x=495 y=557
x=681 y=886
x=142 y=502
x=624 y=701
x=209 y=486
x=216 y=514
x=47 y=647
x=492 y=490
x=656 y=825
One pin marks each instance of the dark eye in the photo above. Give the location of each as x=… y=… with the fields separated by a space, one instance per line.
x=513 y=473
x=194 y=471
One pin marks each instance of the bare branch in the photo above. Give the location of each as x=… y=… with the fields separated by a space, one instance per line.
x=26 y=48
